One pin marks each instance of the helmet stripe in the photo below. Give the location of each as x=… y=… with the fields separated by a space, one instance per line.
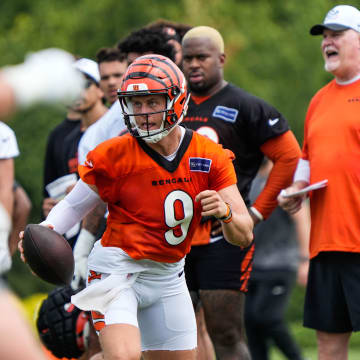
x=142 y=75
x=164 y=61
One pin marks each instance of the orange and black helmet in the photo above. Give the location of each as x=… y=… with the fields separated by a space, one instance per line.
x=148 y=75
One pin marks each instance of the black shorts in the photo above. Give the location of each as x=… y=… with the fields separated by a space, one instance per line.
x=218 y=266
x=332 y=301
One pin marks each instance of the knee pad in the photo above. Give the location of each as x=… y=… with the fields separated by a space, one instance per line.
x=63 y=328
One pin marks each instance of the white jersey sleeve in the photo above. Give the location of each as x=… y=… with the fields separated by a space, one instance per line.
x=111 y=124
x=8 y=144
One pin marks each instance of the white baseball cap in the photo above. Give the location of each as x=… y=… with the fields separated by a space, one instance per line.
x=88 y=67
x=341 y=17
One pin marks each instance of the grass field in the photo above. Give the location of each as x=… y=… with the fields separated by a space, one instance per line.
x=307 y=341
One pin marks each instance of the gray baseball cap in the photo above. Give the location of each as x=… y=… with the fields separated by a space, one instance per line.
x=341 y=17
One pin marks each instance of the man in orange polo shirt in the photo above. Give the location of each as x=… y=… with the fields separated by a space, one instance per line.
x=331 y=151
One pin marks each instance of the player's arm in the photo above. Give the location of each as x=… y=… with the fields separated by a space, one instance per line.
x=284 y=152
x=71 y=210
x=228 y=206
x=7 y=99
x=302 y=226
x=6 y=184
x=74 y=207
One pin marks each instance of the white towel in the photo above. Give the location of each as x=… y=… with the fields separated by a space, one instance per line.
x=98 y=296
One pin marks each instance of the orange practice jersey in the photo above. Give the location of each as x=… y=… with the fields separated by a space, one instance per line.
x=332 y=145
x=151 y=201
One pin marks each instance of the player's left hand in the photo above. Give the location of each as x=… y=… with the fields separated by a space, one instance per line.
x=212 y=204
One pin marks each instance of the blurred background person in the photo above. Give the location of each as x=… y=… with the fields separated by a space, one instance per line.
x=20 y=215
x=112 y=66
x=62 y=159
x=8 y=151
x=217 y=273
x=53 y=162
x=174 y=32
x=37 y=73
x=145 y=41
x=281 y=255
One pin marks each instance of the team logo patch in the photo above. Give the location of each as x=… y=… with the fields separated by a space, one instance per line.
x=225 y=113
x=200 y=164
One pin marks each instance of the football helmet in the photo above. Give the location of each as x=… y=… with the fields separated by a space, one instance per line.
x=63 y=328
x=148 y=75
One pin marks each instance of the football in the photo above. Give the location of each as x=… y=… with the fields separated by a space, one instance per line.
x=48 y=254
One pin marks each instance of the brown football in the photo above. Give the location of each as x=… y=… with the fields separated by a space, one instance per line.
x=48 y=254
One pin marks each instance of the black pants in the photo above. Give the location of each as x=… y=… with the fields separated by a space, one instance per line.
x=265 y=307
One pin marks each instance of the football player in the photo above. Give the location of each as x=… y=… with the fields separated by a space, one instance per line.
x=158 y=181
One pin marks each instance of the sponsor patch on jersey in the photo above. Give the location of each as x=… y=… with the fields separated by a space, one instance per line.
x=225 y=113
x=200 y=164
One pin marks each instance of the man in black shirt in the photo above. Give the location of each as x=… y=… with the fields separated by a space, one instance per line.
x=281 y=257
x=53 y=166
x=217 y=272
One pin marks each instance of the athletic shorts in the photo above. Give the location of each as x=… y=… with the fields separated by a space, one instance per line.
x=159 y=305
x=218 y=266
x=332 y=301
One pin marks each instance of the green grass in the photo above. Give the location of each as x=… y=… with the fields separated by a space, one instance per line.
x=311 y=354
x=306 y=339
